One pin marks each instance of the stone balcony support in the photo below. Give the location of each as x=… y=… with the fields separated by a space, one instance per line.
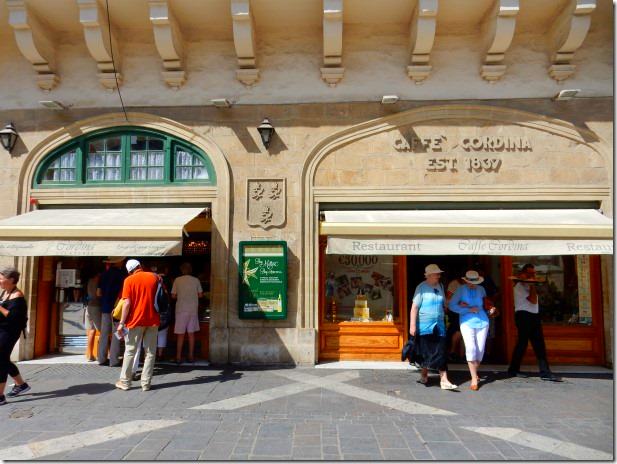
x=169 y=42
x=567 y=35
x=421 y=39
x=102 y=46
x=498 y=31
x=34 y=42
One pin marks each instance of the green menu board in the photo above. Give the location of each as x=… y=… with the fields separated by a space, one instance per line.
x=263 y=280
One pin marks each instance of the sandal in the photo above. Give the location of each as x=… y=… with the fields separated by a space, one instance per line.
x=423 y=380
x=474 y=387
x=447 y=386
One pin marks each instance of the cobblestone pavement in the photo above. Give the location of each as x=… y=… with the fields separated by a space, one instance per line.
x=74 y=412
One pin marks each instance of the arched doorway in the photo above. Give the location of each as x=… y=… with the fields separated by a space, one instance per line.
x=444 y=160
x=147 y=164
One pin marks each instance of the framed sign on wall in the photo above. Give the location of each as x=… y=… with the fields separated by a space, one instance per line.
x=263 y=280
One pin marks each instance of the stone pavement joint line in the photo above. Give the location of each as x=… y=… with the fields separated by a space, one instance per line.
x=71 y=442
x=272 y=393
x=399 y=404
x=542 y=443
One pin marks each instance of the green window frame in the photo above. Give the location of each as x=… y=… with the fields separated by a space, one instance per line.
x=121 y=156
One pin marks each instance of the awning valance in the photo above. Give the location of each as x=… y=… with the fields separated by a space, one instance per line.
x=96 y=232
x=468 y=232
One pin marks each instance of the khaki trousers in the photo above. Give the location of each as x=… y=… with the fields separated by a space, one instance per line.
x=132 y=340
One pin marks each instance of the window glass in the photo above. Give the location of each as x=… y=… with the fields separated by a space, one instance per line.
x=123 y=157
x=104 y=160
x=360 y=288
x=147 y=158
x=62 y=169
x=189 y=166
x=564 y=287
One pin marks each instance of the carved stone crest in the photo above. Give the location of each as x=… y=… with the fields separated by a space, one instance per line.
x=266 y=202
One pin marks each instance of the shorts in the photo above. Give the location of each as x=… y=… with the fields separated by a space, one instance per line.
x=186 y=322
x=92 y=317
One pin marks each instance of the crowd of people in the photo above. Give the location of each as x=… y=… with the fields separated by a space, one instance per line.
x=135 y=289
x=470 y=307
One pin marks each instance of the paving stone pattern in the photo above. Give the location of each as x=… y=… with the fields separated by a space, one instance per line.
x=317 y=424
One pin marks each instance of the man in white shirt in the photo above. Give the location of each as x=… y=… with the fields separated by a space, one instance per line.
x=529 y=326
x=186 y=290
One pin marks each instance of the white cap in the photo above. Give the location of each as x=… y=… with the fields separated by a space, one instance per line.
x=132 y=264
x=430 y=269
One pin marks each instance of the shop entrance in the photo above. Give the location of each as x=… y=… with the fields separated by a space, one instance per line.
x=63 y=288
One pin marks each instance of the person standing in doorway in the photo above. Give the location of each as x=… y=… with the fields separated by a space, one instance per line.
x=427 y=326
x=13 y=319
x=110 y=287
x=92 y=314
x=529 y=326
x=186 y=290
x=139 y=321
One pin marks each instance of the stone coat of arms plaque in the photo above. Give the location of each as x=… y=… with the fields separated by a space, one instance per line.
x=266 y=203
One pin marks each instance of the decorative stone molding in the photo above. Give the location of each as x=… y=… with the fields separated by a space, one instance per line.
x=100 y=45
x=266 y=201
x=169 y=43
x=332 y=71
x=421 y=39
x=34 y=42
x=244 y=41
x=498 y=30
x=567 y=35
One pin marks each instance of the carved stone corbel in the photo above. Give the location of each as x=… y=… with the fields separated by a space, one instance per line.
x=498 y=29
x=244 y=41
x=567 y=35
x=421 y=39
x=169 y=43
x=96 y=32
x=332 y=72
x=34 y=42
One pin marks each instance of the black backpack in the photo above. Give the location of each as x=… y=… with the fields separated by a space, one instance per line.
x=162 y=304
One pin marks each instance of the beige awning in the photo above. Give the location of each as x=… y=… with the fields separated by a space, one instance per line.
x=96 y=232
x=467 y=232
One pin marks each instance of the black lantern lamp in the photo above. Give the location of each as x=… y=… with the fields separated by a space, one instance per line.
x=8 y=137
x=266 y=131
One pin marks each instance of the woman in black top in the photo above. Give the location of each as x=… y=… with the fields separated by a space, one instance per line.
x=13 y=318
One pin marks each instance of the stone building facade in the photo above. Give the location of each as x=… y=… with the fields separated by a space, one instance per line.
x=475 y=122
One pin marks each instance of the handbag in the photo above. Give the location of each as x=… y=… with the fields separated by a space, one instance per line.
x=116 y=314
x=488 y=304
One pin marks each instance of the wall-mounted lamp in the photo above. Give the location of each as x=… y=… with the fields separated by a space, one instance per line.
x=389 y=99
x=266 y=131
x=8 y=137
x=566 y=94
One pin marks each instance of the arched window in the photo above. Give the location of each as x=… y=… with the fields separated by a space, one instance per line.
x=124 y=156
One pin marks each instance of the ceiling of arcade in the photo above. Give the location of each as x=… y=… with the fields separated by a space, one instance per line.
x=328 y=27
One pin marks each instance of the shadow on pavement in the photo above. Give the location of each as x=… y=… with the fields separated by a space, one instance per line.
x=80 y=389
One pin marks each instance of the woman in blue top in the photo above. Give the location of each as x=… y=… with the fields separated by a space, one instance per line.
x=426 y=319
x=468 y=301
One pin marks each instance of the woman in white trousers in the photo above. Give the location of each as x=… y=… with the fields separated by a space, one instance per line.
x=468 y=301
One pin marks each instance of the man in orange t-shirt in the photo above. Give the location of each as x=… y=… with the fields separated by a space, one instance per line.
x=139 y=321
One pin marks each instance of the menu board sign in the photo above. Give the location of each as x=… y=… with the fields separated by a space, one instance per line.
x=263 y=280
